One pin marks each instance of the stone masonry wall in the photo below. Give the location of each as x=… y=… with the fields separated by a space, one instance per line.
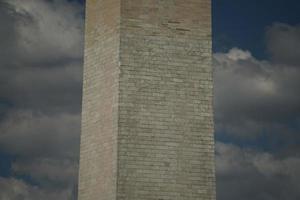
x=165 y=139
x=98 y=153
x=147 y=123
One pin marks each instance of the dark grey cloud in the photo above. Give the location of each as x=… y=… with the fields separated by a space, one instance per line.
x=252 y=96
x=44 y=89
x=251 y=175
x=255 y=98
x=44 y=100
x=40 y=95
x=283 y=43
x=25 y=133
x=7 y=32
x=52 y=173
x=48 y=31
x=41 y=63
x=14 y=189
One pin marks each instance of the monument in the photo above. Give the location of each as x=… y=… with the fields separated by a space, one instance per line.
x=147 y=118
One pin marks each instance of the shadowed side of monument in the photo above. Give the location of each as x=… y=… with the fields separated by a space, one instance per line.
x=147 y=123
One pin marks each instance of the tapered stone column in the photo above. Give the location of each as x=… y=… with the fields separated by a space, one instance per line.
x=147 y=118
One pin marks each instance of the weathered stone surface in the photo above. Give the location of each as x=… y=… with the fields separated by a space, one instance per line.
x=147 y=124
x=98 y=151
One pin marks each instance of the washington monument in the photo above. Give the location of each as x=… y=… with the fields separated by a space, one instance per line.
x=147 y=118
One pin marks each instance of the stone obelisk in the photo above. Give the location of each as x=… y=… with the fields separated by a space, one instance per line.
x=147 y=118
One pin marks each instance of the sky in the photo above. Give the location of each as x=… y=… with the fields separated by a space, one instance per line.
x=256 y=98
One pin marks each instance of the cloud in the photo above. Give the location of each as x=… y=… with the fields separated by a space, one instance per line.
x=47 y=150
x=41 y=55
x=40 y=96
x=254 y=96
x=25 y=133
x=237 y=54
x=48 y=30
x=7 y=32
x=48 y=90
x=257 y=106
x=283 y=43
x=54 y=173
x=14 y=189
x=251 y=175
x=42 y=102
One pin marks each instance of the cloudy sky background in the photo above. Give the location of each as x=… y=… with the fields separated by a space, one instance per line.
x=257 y=98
